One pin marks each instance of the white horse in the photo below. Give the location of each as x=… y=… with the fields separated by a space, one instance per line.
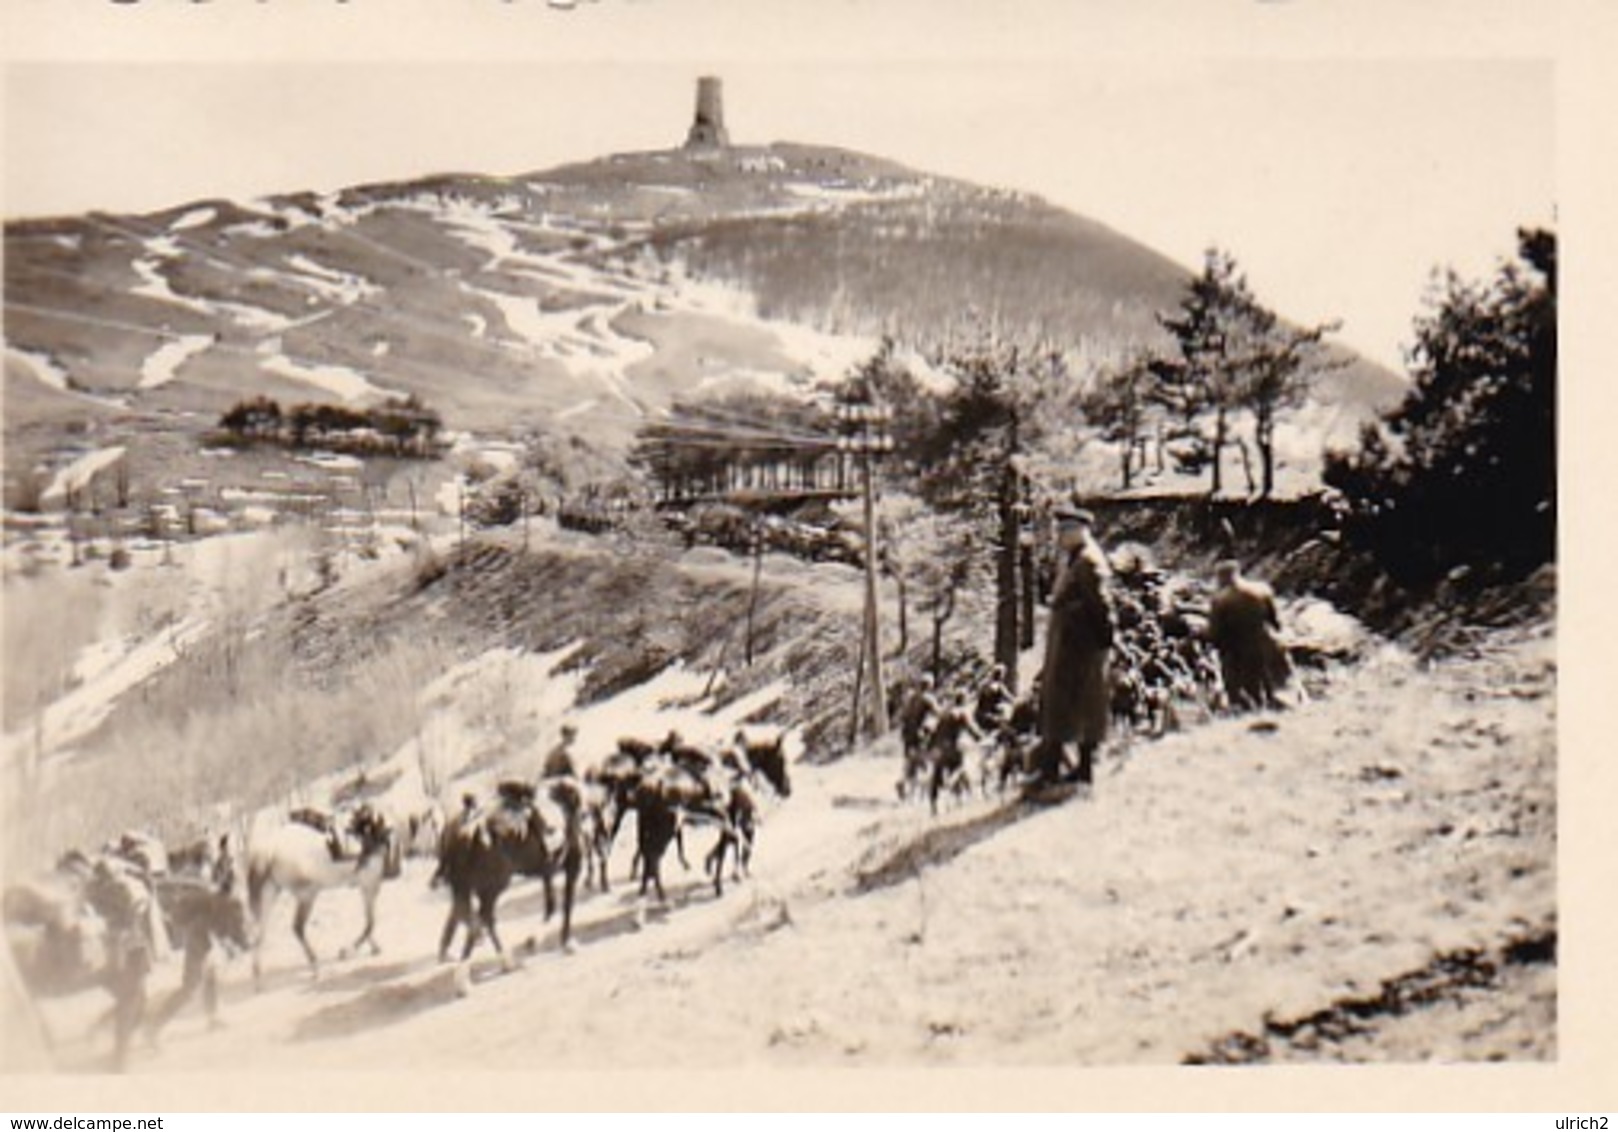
x=299 y=859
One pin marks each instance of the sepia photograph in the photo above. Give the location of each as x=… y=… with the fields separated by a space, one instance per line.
x=974 y=551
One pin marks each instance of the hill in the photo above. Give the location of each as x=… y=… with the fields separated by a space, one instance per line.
x=576 y=300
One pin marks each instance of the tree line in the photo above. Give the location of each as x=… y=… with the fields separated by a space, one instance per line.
x=1460 y=475
x=400 y=426
x=1230 y=355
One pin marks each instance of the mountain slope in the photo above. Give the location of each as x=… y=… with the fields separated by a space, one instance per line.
x=590 y=294
x=573 y=301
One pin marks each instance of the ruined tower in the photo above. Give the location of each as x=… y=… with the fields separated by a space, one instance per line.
x=708 y=127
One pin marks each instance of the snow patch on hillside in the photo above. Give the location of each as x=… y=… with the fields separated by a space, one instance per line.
x=576 y=410
x=828 y=356
x=41 y=367
x=154 y=286
x=478 y=228
x=196 y=218
x=342 y=381
x=77 y=475
x=839 y=194
x=106 y=676
x=582 y=340
x=340 y=286
x=161 y=365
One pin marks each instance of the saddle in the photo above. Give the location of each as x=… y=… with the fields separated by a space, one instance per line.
x=508 y=816
x=515 y=794
x=321 y=822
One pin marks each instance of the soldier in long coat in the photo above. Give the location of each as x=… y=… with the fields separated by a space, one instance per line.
x=1075 y=703
x=1242 y=624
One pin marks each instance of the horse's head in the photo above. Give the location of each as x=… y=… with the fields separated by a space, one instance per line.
x=377 y=835
x=770 y=760
x=636 y=750
x=74 y=863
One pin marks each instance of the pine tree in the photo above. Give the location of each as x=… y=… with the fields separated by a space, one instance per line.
x=1234 y=354
x=1204 y=378
x=1118 y=406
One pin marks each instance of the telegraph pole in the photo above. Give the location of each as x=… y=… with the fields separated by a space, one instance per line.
x=866 y=435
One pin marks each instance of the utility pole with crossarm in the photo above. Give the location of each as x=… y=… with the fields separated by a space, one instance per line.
x=864 y=426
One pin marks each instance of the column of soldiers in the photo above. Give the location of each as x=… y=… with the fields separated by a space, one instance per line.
x=1123 y=648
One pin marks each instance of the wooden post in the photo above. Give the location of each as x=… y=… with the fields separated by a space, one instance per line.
x=752 y=597
x=879 y=691
x=859 y=688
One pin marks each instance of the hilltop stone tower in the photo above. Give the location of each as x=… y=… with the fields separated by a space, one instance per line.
x=708 y=127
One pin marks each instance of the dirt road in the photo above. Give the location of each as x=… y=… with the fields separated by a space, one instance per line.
x=1368 y=877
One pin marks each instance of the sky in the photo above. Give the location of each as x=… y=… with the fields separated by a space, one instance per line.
x=1338 y=182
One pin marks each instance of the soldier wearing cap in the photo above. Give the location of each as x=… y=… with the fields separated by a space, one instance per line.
x=1242 y=624
x=1075 y=704
x=559 y=762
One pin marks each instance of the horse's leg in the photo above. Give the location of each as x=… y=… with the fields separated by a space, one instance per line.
x=600 y=850
x=486 y=906
x=368 y=896
x=261 y=929
x=719 y=850
x=460 y=912
x=474 y=929
x=129 y=1003
x=210 y=993
x=654 y=864
x=193 y=976
x=300 y=920
x=716 y=856
x=744 y=851
x=679 y=845
x=715 y=860
x=570 y=883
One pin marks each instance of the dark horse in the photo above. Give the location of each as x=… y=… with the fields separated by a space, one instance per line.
x=749 y=762
x=767 y=759
x=199 y=911
x=669 y=796
x=88 y=924
x=484 y=848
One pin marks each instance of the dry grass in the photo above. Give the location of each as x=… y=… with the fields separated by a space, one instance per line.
x=48 y=621
x=234 y=726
